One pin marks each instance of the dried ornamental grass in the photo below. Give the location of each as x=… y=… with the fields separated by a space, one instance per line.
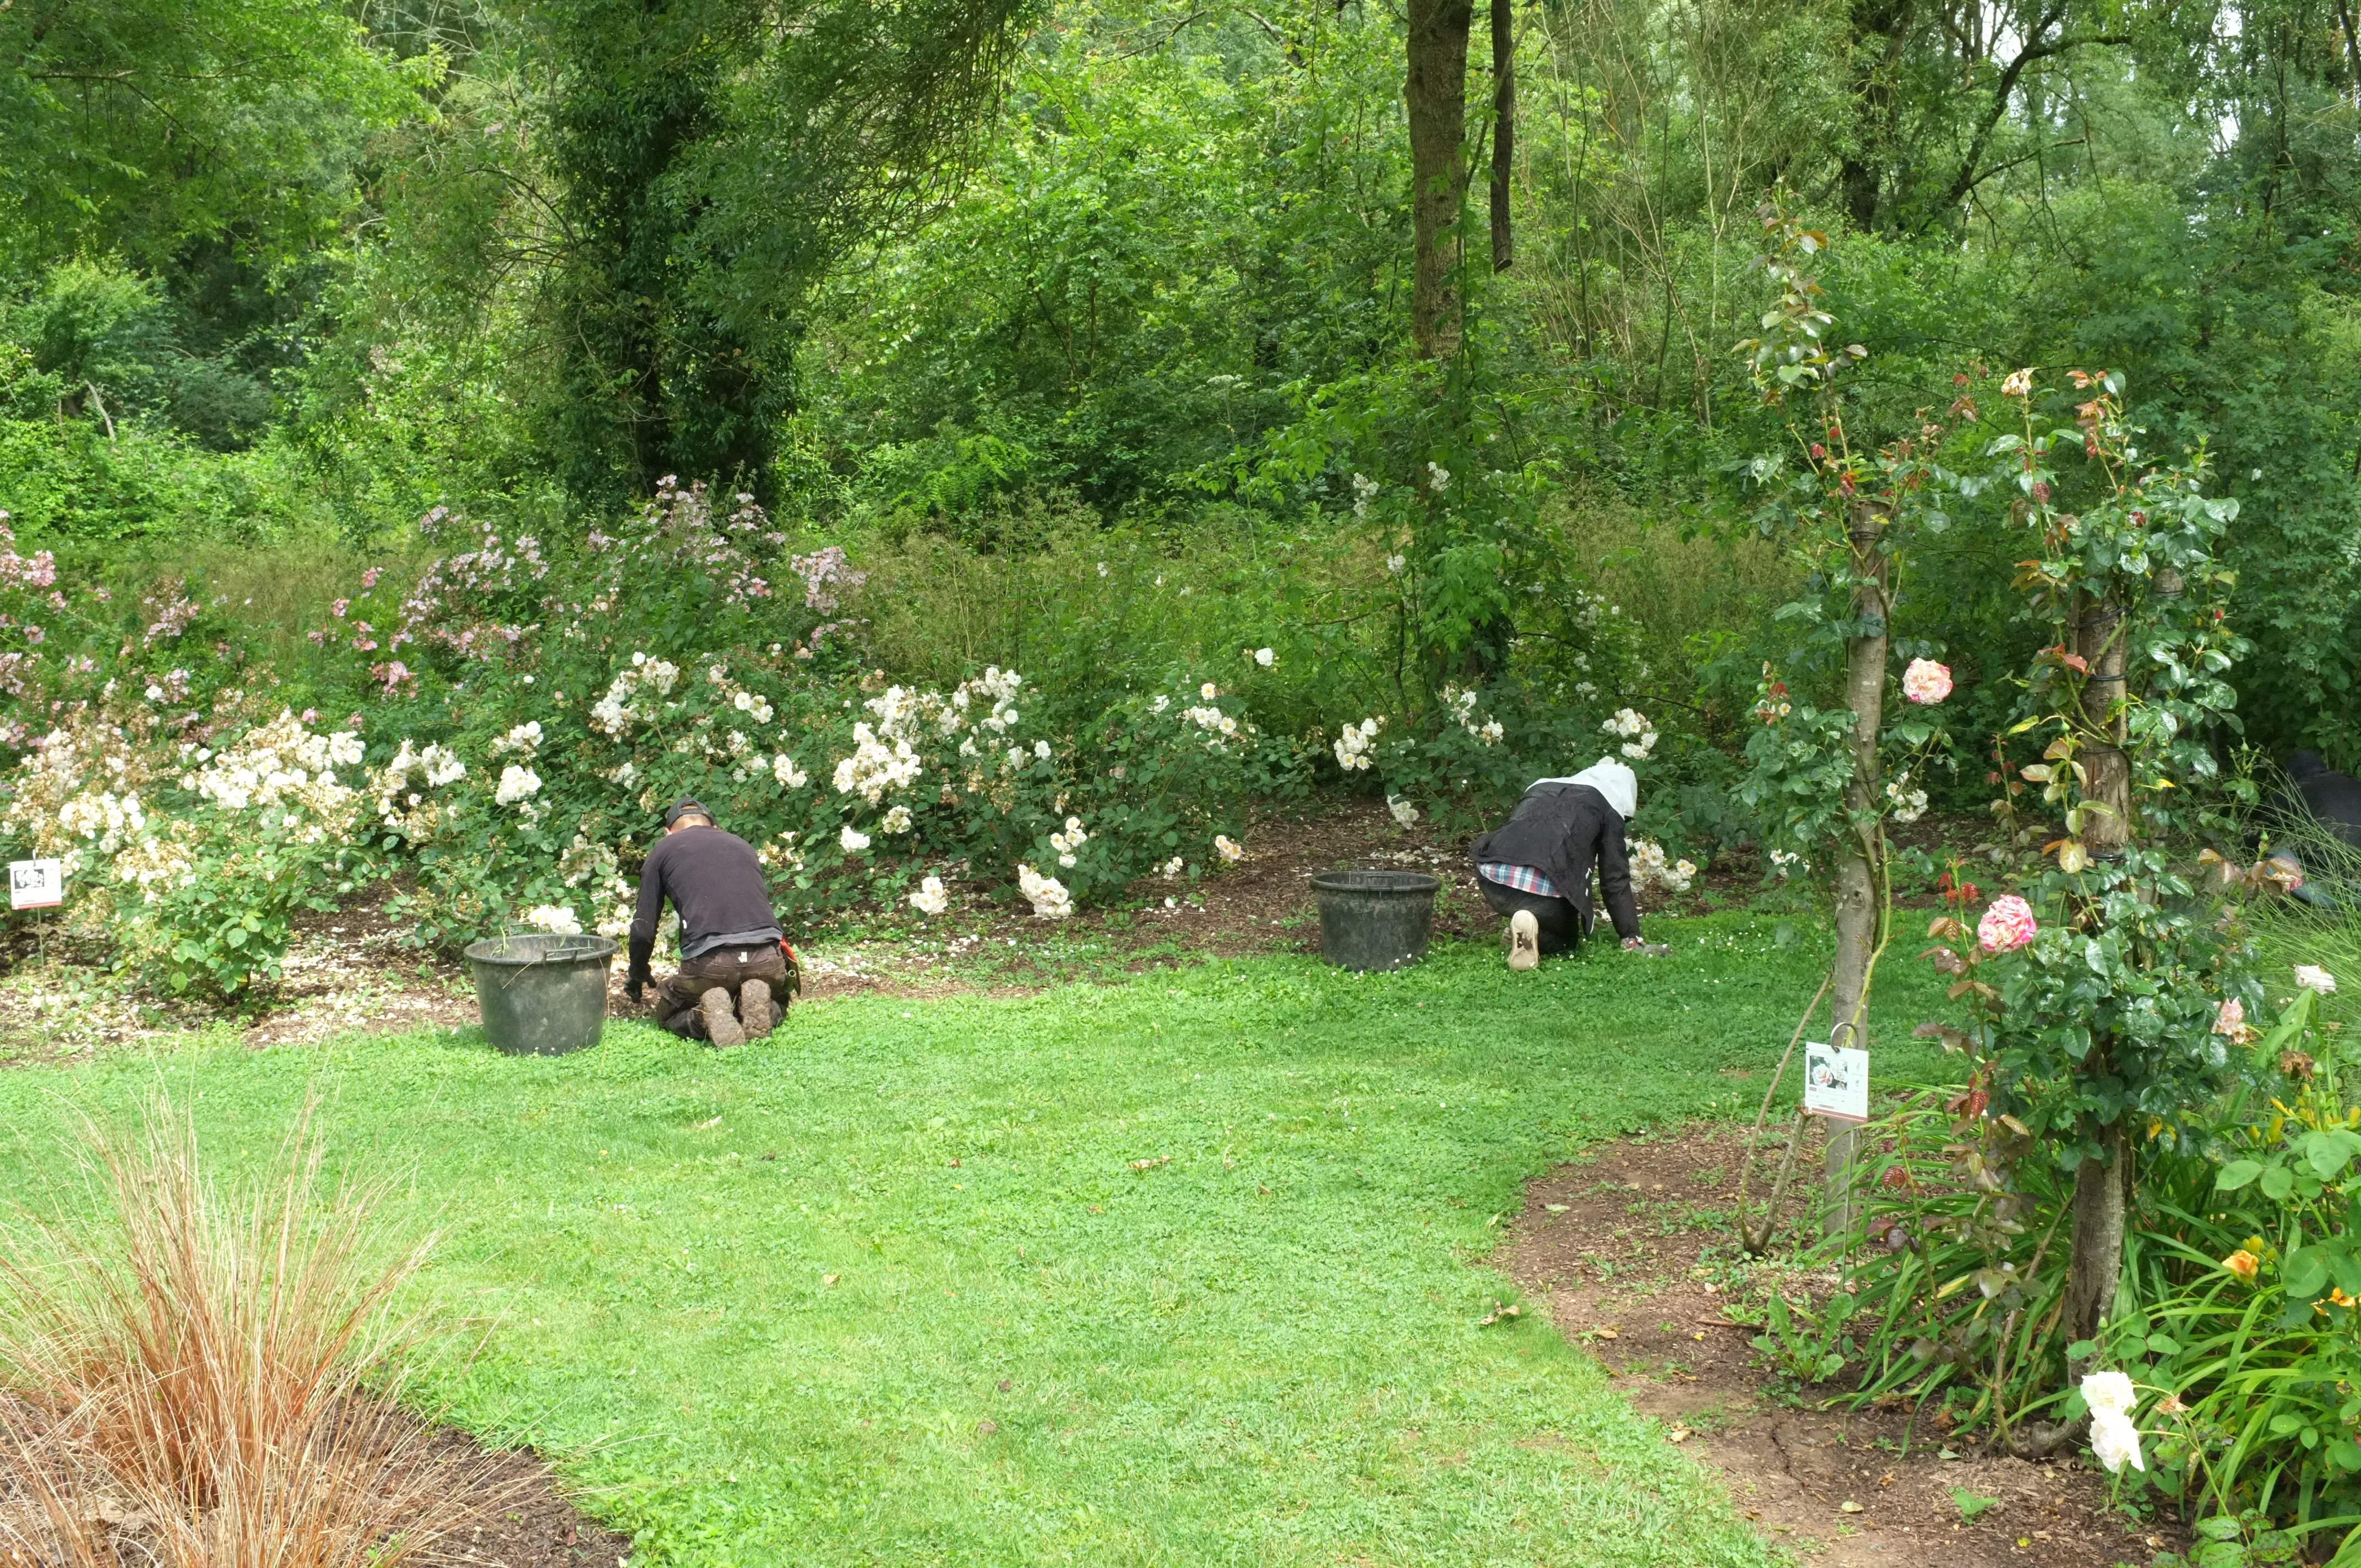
x=208 y=1378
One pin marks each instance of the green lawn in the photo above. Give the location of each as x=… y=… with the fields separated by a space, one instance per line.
x=1264 y=1351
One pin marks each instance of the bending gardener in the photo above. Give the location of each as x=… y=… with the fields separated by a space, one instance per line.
x=1536 y=868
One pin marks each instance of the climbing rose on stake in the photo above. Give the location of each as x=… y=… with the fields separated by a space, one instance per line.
x=1925 y=682
x=2007 y=925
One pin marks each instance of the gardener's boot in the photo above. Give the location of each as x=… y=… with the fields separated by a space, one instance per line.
x=1523 y=940
x=721 y=1018
x=755 y=1010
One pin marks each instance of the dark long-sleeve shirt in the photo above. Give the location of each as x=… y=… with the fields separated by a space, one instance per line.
x=1564 y=830
x=715 y=881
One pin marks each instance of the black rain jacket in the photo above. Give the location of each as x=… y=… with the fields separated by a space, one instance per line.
x=1564 y=830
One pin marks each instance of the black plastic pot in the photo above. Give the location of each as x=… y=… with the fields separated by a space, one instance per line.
x=542 y=995
x=1375 y=920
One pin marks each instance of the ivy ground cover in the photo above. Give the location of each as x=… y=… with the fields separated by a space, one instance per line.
x=1180 y=1269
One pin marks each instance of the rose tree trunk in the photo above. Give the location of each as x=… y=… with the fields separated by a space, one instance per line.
x=1860 y=909
x=2102 y=1186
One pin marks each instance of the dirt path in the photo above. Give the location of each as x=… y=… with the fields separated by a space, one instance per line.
x=1633 y=1251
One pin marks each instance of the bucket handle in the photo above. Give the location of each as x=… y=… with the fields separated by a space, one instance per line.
x=517 y=971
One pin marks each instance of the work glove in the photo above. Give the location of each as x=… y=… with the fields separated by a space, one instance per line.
x=632 y=990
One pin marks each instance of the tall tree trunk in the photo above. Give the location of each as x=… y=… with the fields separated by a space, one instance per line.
x=1860 y=909
x=1504 y=131
x=1879 y=31
x=1435 y=88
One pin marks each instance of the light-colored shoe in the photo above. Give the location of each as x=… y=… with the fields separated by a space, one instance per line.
x=721 y=1018
x=755 y=1009
x=1524 y=940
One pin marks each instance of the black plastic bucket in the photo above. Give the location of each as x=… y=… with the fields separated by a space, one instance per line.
x=1375 y=920
x=542 y=995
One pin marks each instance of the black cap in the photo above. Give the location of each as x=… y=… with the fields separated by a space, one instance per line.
x=681 y=808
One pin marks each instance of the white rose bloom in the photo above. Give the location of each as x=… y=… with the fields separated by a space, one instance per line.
x=1404 y=812
x=852 y=838
x=556 y=919
x=1047 y=895
x=1266 y=657
x=930 y=899
x=1229 y=849
x=2116 y=1442
x=784 y=769
x=517 y=784
x=1041 y=749
x=897 y=820
x=1173 y=868
x=2109 y=1393
x=2312 y=977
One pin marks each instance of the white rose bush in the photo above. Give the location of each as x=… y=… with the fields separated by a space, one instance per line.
x=496 y=744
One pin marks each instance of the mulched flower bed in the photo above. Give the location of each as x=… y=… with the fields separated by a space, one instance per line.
x=1633 y=1251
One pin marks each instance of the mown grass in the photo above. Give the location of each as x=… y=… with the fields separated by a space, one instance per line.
x=889 y=1288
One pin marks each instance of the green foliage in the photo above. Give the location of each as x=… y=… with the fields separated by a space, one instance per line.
x=1959 y=1266
x=1162 y=242
x=710 y=160
x=1806 y=1346
x=2245 y=1330
x=158 y=129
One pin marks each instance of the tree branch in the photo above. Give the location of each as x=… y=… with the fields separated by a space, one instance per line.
x=1966 y=180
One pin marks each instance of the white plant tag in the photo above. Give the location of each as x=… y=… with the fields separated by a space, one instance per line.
x=36 y=884
x=1836 y=1082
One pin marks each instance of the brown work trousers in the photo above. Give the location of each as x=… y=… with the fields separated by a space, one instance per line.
x=677 y=993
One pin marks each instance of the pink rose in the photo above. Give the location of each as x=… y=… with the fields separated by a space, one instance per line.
x=2230 y=1018
x=2006 y=926
x=1925 y=682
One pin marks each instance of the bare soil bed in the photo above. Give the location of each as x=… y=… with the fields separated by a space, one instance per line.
x=350 y=969
x=533 y=1524
x=1632 y=1252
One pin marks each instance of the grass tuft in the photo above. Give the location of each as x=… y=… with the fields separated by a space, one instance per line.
x=210 y=1374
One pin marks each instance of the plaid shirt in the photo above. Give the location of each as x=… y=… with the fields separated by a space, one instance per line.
x=1524 y=879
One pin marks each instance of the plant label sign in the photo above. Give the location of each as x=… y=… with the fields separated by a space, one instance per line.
x=1836 y=1082
x=36 y=884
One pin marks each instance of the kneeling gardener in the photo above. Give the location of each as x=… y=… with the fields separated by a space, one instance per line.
x=736 y=976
